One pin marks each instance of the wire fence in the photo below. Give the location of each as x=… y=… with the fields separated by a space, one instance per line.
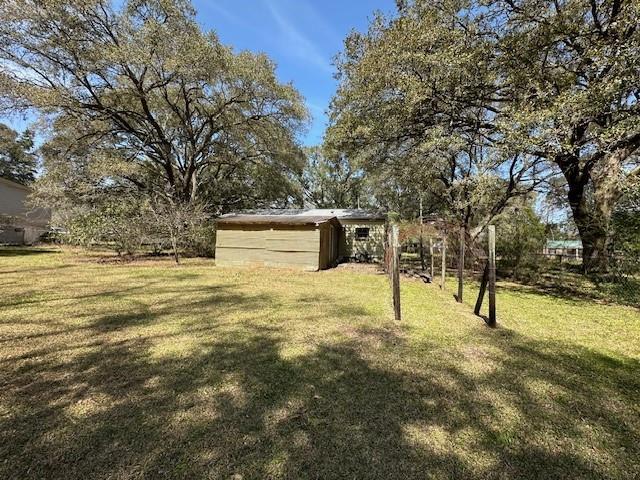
x=558 y=272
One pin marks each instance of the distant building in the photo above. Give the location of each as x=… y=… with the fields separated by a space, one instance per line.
x=20 y=224
x=563 y=249
x=310 y=239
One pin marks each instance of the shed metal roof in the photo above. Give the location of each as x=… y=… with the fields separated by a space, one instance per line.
x=254 y=219
x=14 y=184
x=339 y=213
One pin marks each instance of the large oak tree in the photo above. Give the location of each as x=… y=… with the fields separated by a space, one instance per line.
x=456 y=90
x=143 y=83
x=416 y=107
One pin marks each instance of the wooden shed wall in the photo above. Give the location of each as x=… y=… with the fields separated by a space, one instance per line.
x=287 y=246
x=374 y=245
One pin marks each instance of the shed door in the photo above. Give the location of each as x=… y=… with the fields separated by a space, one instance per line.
x=335 y=233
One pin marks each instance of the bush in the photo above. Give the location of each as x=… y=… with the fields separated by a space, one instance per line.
x=200 y=240
x=127 y=224
x=520 y=241
x=118 y=224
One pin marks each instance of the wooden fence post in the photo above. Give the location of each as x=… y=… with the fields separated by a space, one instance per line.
x=444 y=262
x=431 y=272
x=395 y=271
x=422 y=262
x=492 y=276
x=461 y=266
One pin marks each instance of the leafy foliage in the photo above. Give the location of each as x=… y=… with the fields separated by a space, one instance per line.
x=17 y=160
x=450 y=94
x=414 y=103
x=118 y=223
x=180 y=221
x=330 y=180
x=142 y=83
x=521 y=240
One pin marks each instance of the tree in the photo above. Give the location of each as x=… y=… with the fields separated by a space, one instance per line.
x=145 y=83
x=253 y=185
x=522 y=238
x=177 y=221
x=498 y=87
x=415 y=106
x=329 y=180
x=572 y=77
x=17 y=160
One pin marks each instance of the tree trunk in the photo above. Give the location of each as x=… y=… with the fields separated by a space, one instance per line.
x=592 y=210
x=591 y=223
x=174 y=244
x=604 y=173
x=594 y=250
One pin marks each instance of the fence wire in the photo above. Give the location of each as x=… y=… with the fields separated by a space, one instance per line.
x=559 y=273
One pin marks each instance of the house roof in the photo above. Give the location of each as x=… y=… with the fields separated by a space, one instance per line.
x=339 y=213
x=564 y=244
x=14 y=184
x=256 y=219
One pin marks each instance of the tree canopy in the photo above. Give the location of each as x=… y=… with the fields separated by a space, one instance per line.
x=459 y=95
x=17 y=159
x=144 y=85
x=330 y=180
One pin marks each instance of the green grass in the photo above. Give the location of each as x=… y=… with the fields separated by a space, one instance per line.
x=151 y=370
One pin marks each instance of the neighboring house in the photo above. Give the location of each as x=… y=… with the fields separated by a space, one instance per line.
x=563 y=249
x=20 y=224
x=310 y=239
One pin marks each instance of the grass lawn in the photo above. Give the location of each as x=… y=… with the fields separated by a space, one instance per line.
x=148 y=370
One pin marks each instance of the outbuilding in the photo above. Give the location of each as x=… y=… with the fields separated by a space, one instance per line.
x=298 y=241
x=310 y=239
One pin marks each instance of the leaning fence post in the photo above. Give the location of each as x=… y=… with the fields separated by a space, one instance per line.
x=444 y=262
x=492 y=276
x=461 y=266
x=483 y=288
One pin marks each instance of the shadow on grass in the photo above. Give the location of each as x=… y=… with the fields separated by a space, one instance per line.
x=577 y=288
x=6 y=251
x=366 y=406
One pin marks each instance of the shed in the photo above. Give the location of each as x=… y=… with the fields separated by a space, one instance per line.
x=308 y=242
x=361 y=234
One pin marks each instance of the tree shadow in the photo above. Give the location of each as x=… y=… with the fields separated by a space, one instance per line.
x=6 y=251
x=575 y=288
x=113 y=404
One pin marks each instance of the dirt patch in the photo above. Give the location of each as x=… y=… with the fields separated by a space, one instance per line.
x=374 y=268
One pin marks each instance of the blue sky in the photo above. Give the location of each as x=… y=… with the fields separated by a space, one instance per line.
x=301 y=36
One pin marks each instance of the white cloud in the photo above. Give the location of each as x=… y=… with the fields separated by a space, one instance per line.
x=296 y=42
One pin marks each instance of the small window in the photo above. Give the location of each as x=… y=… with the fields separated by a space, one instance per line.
x=362 y=233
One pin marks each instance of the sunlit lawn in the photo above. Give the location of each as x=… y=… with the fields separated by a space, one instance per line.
x=148 y=370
